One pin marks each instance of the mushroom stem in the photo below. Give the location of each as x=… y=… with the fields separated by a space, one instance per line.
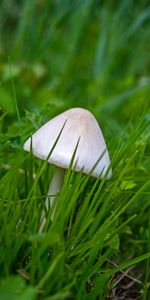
x=55 y=187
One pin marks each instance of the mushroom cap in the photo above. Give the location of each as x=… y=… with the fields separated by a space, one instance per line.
x=80 y=125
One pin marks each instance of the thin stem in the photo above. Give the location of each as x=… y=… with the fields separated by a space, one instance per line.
x=54 y=188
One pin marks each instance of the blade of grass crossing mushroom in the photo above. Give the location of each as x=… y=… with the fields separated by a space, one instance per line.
x=41 y=170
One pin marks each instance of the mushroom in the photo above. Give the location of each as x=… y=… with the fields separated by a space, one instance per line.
x=80 y=126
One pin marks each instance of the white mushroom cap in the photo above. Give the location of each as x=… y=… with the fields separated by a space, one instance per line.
x=80 y=124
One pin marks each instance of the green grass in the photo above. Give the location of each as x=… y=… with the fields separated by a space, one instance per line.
x=56 y=55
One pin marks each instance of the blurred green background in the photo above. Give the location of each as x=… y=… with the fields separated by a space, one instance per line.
x=65 y=53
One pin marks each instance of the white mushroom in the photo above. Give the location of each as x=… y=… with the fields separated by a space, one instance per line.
x=80 y=125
